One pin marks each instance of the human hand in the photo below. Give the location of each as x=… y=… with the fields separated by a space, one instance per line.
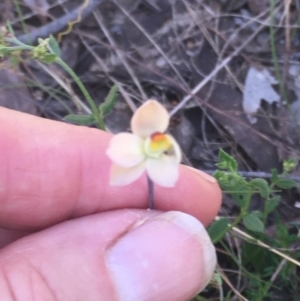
x=65 y=234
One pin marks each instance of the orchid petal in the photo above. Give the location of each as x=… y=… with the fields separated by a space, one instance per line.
x=126 y=150
x=163 y=171
x=176 y=149
x=121 y=176
x=149 y=118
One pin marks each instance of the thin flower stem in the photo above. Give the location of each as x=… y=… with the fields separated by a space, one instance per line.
x=84 y=92
x=150 y=194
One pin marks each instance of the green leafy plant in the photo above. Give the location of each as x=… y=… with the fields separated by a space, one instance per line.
x=241 y=190
x=259 y=256
x=103 y=110
x=48 y=51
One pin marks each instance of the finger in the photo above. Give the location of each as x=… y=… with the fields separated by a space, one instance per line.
x=8 y=236
x=51 y=171
x=122 y=255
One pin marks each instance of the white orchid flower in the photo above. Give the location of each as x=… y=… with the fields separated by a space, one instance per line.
x=148 y=149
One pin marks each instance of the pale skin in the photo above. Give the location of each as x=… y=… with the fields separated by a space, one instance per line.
x=66 y=234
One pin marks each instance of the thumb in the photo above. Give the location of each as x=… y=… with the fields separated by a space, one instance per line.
x=123 y=255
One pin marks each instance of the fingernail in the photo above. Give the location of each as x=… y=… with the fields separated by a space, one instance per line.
x=193 y=227
x=169 y=257
x=202 y=174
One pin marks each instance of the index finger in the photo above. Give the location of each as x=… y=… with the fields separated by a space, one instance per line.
x=52 y=171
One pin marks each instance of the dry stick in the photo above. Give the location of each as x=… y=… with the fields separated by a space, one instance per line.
x=210 y=40
x=124 y=93
x=287 y=5
x=234 y=240
x=228 y=41
x=258 y=174
x=171 y=80
x=278 y=270
x=262 y=244
x=214 y=72
x=233 y=245
x=120 y=55
x=65 y=86
x=254 y=20
x=228 y=282
x=152 y=42
x=31 y=14
x=239 y=258
x=58 y=24
x=130 y=103
x=208 y=37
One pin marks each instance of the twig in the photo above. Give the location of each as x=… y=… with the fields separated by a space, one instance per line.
x=55 y=74
x=258 y=174
x=215 y=71
x=120 y=55
x=103 y=66
x=58 y=24
x=152 y=41
x=253 y=240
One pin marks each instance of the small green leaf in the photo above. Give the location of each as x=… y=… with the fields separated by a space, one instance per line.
x=53 y=46
x=274 y=176
x=271 y=204
x=241 y=199
x=258 y=213
x=262 y=186
x=110 y=101
x=253 y=223
x=218 y=229
x=217 y=279
x=285 y=183
x=226 y=161
x=80 y=119
x=48 y=58
x=289 y=165
x=9 y=28
x=221 y=176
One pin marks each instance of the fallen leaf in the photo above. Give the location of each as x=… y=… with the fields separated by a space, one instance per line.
x=258 y=87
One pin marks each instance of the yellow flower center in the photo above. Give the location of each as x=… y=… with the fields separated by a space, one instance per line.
x=159 y=143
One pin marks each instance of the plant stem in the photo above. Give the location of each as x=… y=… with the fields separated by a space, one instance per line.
x=244 y=211
x=274 y=53
x=98 y=116
x=17 y=6
x=150 y=194
x=84 y=91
